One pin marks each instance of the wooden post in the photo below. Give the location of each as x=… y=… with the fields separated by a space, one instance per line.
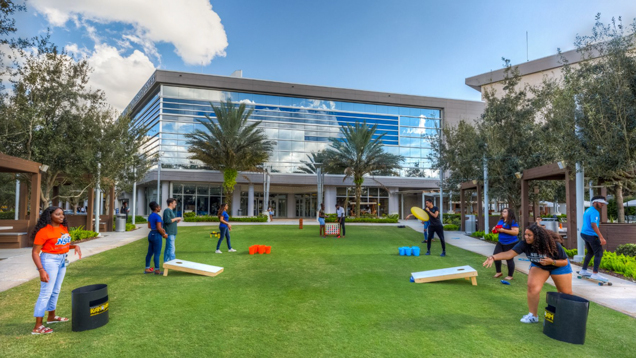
x=300 y=223
x=56 y=194
x=24 y=201
x=35 y=203
x=111 y=210
x=89 y=209
x=462 y=216
x=480 y=210
x=570 y=202
x=525 y=215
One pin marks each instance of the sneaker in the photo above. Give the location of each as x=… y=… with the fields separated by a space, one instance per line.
x=443 y=254
x=218 y=252
x=231 y=250
x=585 y=273
x=427 y=253
x=424 y=242
x=530 y=318
x=598 y=277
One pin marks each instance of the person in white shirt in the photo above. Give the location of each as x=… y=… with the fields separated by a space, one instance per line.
x=341 y=219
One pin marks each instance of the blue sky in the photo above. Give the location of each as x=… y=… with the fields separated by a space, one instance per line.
x=415 y=47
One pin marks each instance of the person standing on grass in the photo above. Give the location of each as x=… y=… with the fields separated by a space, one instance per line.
x=508 y=230
x=594 y=240
x=425 y=223
x=51 y=242
x=321 y=220
x=155 y=236
x=224 y=228
x=170 y=221
x=435 y=226
x=340 y=211
x=548 y=259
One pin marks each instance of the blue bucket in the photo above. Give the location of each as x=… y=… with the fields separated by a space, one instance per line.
x=416 y=251
x=401 y=251
x=407 y=251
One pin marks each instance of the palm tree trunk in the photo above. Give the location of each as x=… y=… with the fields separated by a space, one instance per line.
x=358 y=196
x=229 y=181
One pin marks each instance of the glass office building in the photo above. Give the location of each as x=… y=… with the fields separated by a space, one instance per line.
x=302 y=120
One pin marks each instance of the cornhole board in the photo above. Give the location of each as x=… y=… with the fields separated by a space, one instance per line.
x=419 y=213
x=332 y=229
x=451 y=273
x=191 y=267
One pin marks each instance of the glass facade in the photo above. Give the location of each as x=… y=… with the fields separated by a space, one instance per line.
x=373 y=201
x=300 y=126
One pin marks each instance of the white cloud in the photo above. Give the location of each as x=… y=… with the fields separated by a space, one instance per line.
x=119 y=77
x=190 y=25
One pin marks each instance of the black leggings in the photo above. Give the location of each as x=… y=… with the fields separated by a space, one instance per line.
x=511 y=263
x=594 y=248
x=440 y=233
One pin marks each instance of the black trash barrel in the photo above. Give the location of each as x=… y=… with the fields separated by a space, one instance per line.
x=90 y=307
x=566 y=317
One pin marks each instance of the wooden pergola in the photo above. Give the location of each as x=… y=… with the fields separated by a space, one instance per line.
x=19 y=234
x=470 y=186
x=106 y=221
x=554 y=172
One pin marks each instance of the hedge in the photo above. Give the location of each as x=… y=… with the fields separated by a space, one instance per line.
x=130 y=227
x=453 y=219
x=627 y=250
x=208 y=218
x=491 y=237
x=391 y=219
x=624 y=265
x=138 y=219
x=477 y=234
x=451 y=227
x=7 y=215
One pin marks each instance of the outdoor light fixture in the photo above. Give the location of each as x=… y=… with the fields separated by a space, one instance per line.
x=474 y=181
x=561 y=165
x=459 y=186
x=44 y=168
x=519 y=175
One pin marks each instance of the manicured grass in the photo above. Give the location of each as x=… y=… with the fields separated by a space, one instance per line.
x=312 y=297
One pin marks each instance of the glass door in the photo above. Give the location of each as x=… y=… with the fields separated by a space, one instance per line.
x=282 y=206
x=203 y=205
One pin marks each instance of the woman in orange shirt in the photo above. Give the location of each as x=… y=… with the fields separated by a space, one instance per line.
x=52 y=239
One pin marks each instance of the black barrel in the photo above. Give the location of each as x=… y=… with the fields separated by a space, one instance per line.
x=90 y=307
x=566 y=317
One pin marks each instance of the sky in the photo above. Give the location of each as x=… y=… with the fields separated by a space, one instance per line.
x=418 y=47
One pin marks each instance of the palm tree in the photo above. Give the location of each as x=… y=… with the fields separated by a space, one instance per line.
x=230 y=144
x=309 y=165
x=357 y=153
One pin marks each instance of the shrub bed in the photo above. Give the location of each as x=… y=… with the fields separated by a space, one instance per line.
x=138 y=219
x=7 y=215
x=627 y=250
x=621 y=264
x=491 y=237
x=451 y=227
x=390 y=219
x=78 y=233
x=208 y=218
x=131 y=227
x=453 y=219
x=477 y=234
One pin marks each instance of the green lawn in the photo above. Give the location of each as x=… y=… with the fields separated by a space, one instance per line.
x=312 y=297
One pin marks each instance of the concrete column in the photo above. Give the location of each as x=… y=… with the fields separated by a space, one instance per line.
x=236 y=200
x=330 y=199
x=141 y=201
x=165 y=193
x=250 y=200
x=394 y=201
x=291 y=206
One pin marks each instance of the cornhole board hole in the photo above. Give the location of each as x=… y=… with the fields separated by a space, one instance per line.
x=419 y=213
x=332 y=229
x=451 y=273
x=191 y=267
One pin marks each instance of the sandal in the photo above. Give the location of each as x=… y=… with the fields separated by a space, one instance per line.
x=497 y=275
x=149 y=270
x=57 y=319
x=42 y=330
x=157 y=272
x=508 y=278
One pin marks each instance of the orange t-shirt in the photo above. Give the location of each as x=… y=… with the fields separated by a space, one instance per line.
x=54 y=240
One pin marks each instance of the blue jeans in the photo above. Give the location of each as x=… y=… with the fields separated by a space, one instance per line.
x=154 y=248
x=168 y=253
x=225 y=232
x=55 y=267
x=563 y=270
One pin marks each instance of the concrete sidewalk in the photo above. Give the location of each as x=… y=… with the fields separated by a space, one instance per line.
x=621 y=296
x=17 y=267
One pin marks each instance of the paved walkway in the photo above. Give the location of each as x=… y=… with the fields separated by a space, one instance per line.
x=621 y=296
x=16 y=265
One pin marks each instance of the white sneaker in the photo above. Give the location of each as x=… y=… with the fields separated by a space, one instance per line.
x=530 y=318
x=218 y=252
x=585 y=273
x=598 y=277
x=231 y=250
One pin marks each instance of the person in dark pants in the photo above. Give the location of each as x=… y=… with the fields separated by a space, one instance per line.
x=124 y=210
x=594 y=240
x=508 y=230
x=434 y=227
x=340 y=211
x=224 y=228
x=155 y=238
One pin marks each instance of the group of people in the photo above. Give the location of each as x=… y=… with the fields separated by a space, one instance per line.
x=340 y=214
x=543 y=248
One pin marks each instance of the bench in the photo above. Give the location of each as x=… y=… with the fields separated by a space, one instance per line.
x=14 y=240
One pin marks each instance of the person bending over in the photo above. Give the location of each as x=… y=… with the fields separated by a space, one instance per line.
x=548 y=259
x=508 y=229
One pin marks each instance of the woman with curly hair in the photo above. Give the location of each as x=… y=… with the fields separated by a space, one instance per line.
x=548 y=258
x=51 y=242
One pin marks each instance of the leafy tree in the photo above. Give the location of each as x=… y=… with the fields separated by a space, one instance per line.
x=597 y=96
x=230 y=143
x=357 y=154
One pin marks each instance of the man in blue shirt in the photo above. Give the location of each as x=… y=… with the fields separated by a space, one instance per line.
x=594 y=240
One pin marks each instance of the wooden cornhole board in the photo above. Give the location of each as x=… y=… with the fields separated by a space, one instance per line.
x=191 y=267
x=451 y=273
